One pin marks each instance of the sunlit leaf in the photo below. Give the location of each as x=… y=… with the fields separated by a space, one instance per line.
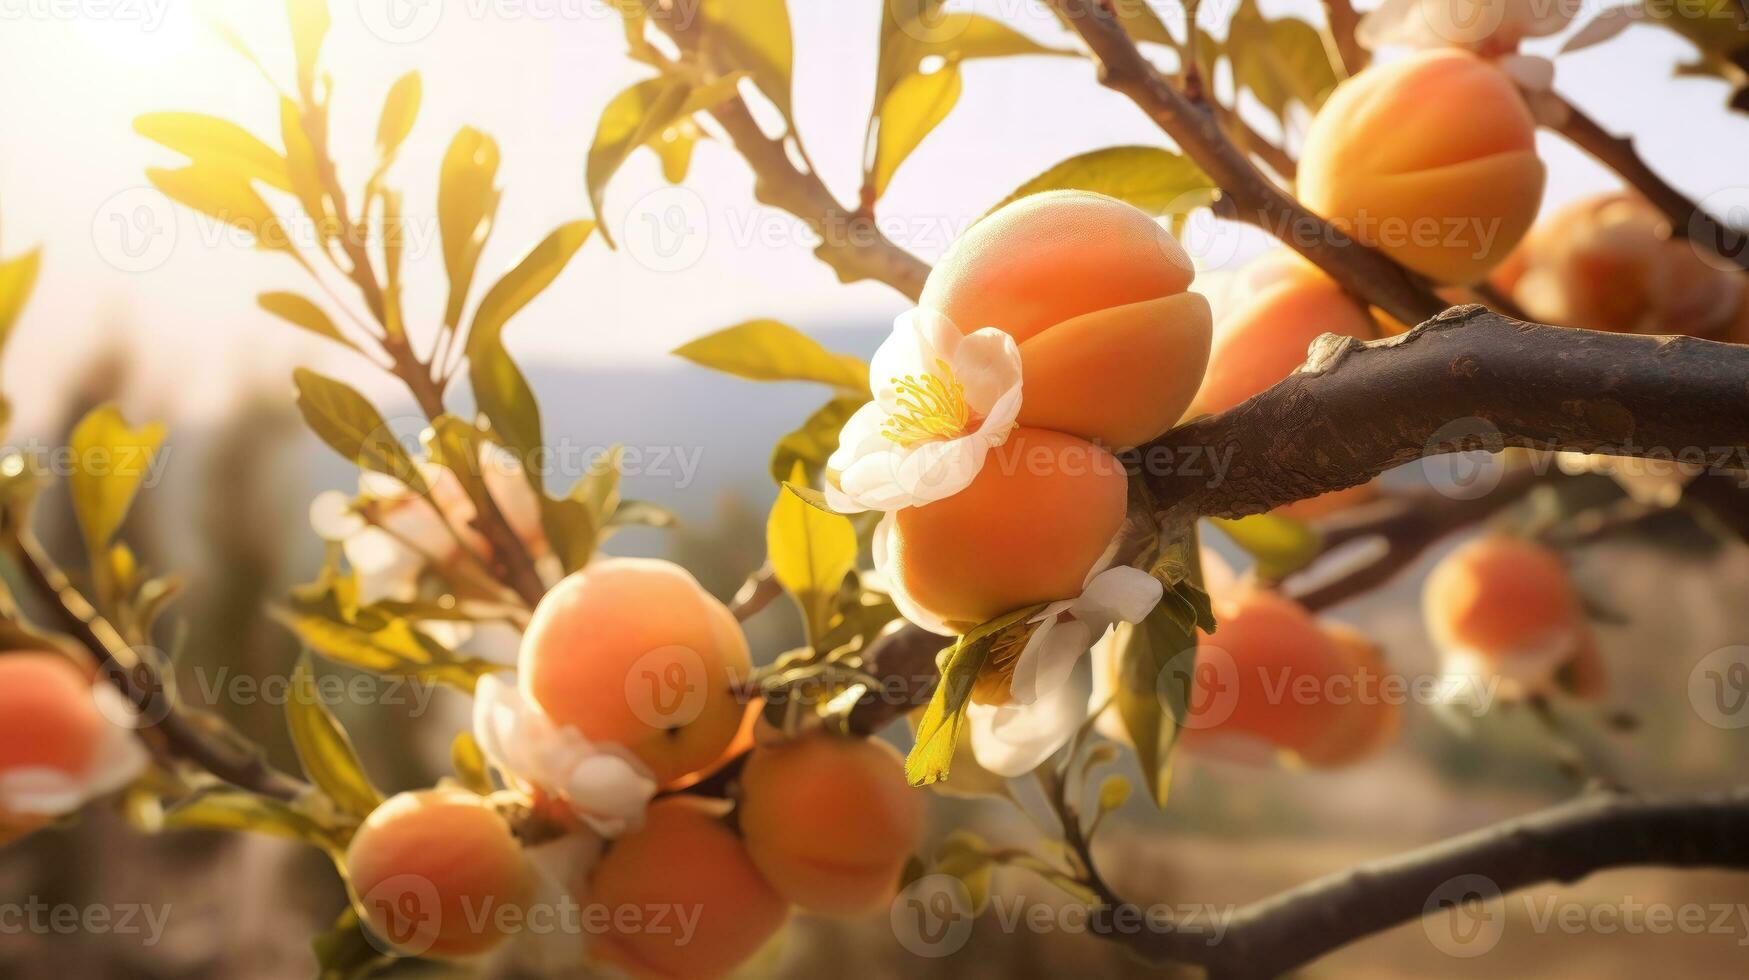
x=915 y=30
x=938 y=731
x=469 y=763
x=467 y=201
x=324 y=748
x=1113 y=793
x=1158 y=181
x=111 y=461
x=1281 y=61
x=526 y=280
x=400 y=109
x=384 y=645
x=1280 y=544
x=301 y=312
x=344 y=952
x=635 y=117
x=1156 y=666
x=642 y=513
x=766 y=350
x=811 y=444
x=304 y=170
x=811 y=551
x=912 y=110
x=238 y=810
x=750 y=34
x=352 y=427
x=17 y=281
x=599 y=487
x=220 y=144
x=309 y=26
x=223 y=198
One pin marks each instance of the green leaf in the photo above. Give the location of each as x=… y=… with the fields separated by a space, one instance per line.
x=219 y=144
x=1281 y=545
x=1158 y=181
x=754 y=35
x=352 y=427
x=237 y=810
x=400 y=109
x=527 y=279
x=383 y=645
x=344 y=952
x=913 y=30
x=635 y=117
x=1113 y=793
x=470 y=763
x=811 y=551
x=814 y=442
x=224 y=198
x=17 y=282
x=766 y=350
x=111 y=461
x=1281 y=61
x=506 y=400
x=467 y=202
x=911 y=111
x=938 y=732
x=808 y=495
x=1156 y=666
x=301 y=312
x=324 y=749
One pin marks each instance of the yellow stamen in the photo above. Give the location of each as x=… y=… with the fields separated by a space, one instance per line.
x=932 y=406
x=996 y=678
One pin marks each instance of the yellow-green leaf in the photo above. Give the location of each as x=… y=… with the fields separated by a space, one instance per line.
x=237 y=810
x=217 y=143
x=913 y=30
x=110 y=462
x=309 y=26
x=766 y=350
x=352 y=427
x=1113 y=793
x=753 y=35
x=223 y=198
x=1280 y=544
x=815 y=441
x=1281 y=61
x=301 y=312
x=635 y=117
x=400 y=109
x=916 y=105
x=938 y=731
x=324 y=748
x=305 y=171
x=810 y=552
x=17 y=281
x=1156 y=667
x=526 y=280
x=469 y=763
x=1158 y=181
x=467 y=202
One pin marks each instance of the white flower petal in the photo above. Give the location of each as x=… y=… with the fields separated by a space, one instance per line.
x=333 y=518
x=1049 y=657
x=385 y=568
x=1012 y=740
x=988 y=365
x=1119 y=595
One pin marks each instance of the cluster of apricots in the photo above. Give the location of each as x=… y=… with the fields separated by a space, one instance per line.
x=635 y=653
x=1112 y=347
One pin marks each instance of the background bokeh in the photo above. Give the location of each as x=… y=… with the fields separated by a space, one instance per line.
x=143 y=303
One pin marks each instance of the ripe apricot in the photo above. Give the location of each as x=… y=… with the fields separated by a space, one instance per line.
x=830 y=821
x=438 y=872
x=1093 y=290
x=1506 y=606
x=1264 y=336
x=1028 y=529
x=1431 y=158
x=48 y=718
x=1367 y=719
x=1609 y=262
x=681 y=896
x=1265 y=674
x=634 y=651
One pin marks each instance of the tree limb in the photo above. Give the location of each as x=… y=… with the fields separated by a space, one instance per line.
x=1467 y=379
x=1687 y=219
x=1256 y=199
x=1564 y=843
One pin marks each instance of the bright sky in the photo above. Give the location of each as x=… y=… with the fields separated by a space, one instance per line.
x=535 y=75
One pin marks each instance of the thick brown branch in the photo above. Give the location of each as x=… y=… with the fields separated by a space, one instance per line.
x=1687 y=219
x=201 y=739
x=1254 y=197
x=1565 y=843
x=1467 y=379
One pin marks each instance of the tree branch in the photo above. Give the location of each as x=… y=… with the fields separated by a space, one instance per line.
x=1467 y=379
x=1687 y=220
x=1256 y=199
x=1564 y=843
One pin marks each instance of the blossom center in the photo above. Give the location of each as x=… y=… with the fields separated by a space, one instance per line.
x=930 y=406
